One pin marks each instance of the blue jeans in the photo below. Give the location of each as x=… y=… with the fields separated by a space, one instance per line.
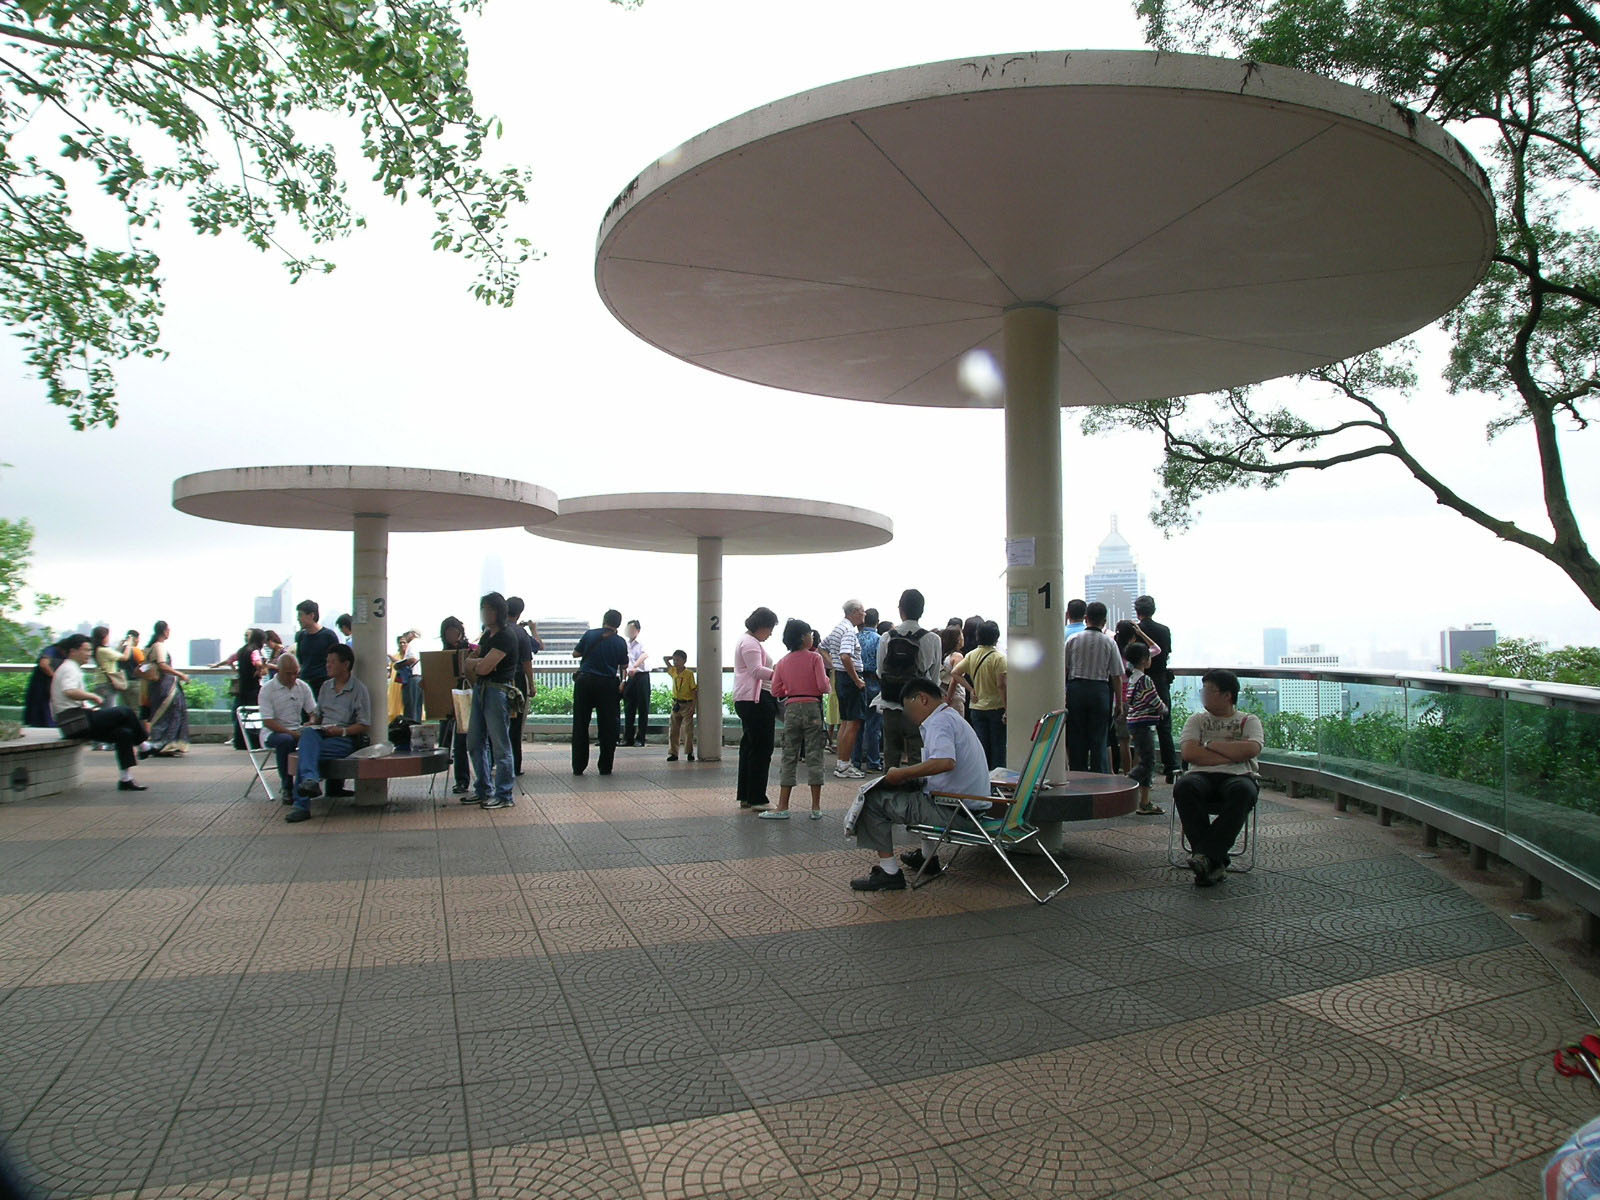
x=490 y=730
x=282 y=744
x=315 y=749
x=411 y=698
x=869 y=746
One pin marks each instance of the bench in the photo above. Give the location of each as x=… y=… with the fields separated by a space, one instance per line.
x=40 y=763
x=402 y=764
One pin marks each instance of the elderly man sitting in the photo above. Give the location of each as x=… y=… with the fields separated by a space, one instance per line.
x=1218 y=791
x=286 y=702
x=344 y=715
x=953 y=763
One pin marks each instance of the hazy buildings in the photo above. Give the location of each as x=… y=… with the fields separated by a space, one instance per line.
x=1311 y=698
x=1454 y=643
x=276 y=609
x=205 y=651
x=1274 y=645
x=1115 y=579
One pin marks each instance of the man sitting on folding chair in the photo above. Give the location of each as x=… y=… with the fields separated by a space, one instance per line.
x=1215 y=795
x=953 y=763
x=286 y=702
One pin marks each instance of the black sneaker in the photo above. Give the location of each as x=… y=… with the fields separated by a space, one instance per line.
x=298 y=814
x=691 y=758
x=913 y=859
x=461 y=789
x=674 y=757
x=287 y=797
x=309 y=790
x=880 y=881
x=498 y=802
x=128 y=785
x=468 y=798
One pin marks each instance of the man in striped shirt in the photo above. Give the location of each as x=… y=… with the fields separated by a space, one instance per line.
x=844 y=655
x=1095 y=681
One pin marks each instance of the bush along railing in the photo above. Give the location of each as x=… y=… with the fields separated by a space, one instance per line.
x=1511 y=765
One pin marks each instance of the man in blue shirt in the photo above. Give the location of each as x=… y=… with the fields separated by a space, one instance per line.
x=597 y=690
x=868 y=753
x=1076 y=609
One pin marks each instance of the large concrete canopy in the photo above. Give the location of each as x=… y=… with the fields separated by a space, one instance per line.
x=1198 y=223
x=675 y=522
x=414 y=499
x=711 y=525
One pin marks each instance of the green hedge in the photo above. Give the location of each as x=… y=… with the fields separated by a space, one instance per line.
x=557 y=701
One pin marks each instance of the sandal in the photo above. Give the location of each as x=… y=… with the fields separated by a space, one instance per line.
x=1155 y=810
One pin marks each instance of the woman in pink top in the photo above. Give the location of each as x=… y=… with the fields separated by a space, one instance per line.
x=799 y=682
x=758 y=711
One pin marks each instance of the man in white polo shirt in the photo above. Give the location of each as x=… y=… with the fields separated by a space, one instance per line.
x=286 y=702
x=77 y=708
x=953 y=764
x=844 y=660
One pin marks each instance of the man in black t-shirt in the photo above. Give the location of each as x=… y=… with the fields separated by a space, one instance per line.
x=524 y=676
x=311 y=645
x=1160 y=672
x=597 y=691
x=493 y=671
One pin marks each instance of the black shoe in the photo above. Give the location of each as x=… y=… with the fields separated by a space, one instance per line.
x=286 y=797
x=144 y=754
x=674 y=757
x=640 y=742
x=461 y=789
x=606 y=772
x=880 y=881
x=128 y=785
x=338 y=789
x=913 y=859
x=1171 y=775
x=297 y=814
x=469 y=798
x=309 y=790
x=691 y=758
x=497 y=802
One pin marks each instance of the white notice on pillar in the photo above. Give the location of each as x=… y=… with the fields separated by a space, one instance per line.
x=1020 y=552
x=359 y=617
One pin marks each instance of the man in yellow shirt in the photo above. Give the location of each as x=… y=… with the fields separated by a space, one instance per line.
x=684 y=693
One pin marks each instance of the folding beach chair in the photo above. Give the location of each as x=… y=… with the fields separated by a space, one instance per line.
x=1007 y=834
x=251 y=731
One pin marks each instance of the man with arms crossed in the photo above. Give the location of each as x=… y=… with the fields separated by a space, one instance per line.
x=1218 y=791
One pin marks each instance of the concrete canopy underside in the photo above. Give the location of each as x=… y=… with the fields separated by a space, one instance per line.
x=414 y=500
x=674 y=523
x=1199 y=223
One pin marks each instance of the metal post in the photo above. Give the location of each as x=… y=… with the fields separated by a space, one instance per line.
x=370 y=611
x=708 y=647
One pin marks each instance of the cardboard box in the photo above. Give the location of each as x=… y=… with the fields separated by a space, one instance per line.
x=438 y=678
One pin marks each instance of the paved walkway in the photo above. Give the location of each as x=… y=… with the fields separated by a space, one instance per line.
x=625 y=988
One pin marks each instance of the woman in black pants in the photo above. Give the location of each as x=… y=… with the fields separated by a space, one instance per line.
x=758 y=711
x=454 y=636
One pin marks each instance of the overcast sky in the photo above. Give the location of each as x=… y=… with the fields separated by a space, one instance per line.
x=389 y=360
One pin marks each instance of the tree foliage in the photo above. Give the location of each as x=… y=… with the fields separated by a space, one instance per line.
x=207 y=100
x=1527 y=74
x=18 y=641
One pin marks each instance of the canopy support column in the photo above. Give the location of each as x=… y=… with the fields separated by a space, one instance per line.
x=371 y=631
x=1035 y=666
x=708 y=647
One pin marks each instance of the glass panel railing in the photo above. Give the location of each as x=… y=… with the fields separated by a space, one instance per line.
x=1552 y=782
x=1454 y=753
x=1361 y=732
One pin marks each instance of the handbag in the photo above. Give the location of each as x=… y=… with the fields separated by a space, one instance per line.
x=461 y=702
x=73 y=722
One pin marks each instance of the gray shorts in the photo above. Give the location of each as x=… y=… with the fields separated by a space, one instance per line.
x=802 y=738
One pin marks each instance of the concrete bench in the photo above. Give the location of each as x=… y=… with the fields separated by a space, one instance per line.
x=40 y=763
x=402 y=764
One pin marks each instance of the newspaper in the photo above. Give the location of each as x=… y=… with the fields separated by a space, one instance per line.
x=853 y=813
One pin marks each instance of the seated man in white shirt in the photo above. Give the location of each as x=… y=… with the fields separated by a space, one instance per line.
x=286 y=702
x=76 y=706
x=953 y=763
x=1219 y=789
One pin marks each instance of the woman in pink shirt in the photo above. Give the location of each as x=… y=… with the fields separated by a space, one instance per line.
x=758 y=711
x=800 y=682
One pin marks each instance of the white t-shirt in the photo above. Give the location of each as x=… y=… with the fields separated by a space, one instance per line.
x=69 y=677
x=946 y=735
x=840 y=642
x=1204 y=728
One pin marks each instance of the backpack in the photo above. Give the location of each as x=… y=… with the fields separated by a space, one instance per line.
x=897 y=662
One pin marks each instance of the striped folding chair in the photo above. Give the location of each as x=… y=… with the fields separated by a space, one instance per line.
x=1009 y=833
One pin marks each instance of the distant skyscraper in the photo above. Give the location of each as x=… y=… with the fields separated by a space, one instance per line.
x=1455 y=643
x=274 y=609
x=1115 y=579
x=1274 y=645
x=1310 y=697
x=204 y=651
x=560 y=634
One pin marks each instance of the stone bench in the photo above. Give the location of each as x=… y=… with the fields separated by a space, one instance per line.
x=402 y=764
x=40 y=763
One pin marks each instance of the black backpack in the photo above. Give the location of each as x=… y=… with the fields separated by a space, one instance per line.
x=897 y=662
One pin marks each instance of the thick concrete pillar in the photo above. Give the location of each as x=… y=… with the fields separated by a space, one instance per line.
x=708 y=647
x=1035 y=662
x=370 y=610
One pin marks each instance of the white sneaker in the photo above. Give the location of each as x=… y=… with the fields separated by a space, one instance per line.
x=848 y=772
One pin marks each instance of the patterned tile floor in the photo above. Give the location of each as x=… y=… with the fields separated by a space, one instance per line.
x=624 y=988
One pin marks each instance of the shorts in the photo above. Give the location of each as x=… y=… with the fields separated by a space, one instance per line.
x=852 y=700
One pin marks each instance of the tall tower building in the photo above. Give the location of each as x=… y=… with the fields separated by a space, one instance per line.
x=276 y=609
x=1115 y=579
x=1310 y=697
x=1455 y=643
x=1274 y=645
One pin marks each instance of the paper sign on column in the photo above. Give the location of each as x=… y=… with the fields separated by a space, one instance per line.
x=1020 y=552
x=359 y=617
x=1017 y=609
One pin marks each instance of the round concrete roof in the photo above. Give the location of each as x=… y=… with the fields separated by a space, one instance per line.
x=1200 y=222
x=673 y=522
x=415 y=500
